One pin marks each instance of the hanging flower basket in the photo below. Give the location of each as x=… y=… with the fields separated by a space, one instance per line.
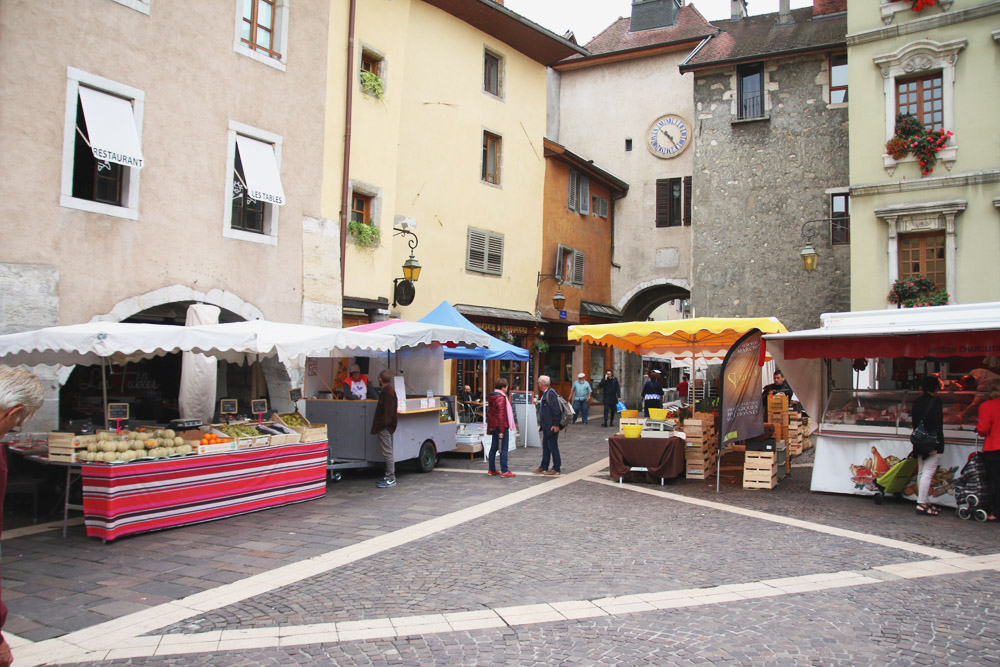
x=916 y=292
x=912 y=137
x=540 y=346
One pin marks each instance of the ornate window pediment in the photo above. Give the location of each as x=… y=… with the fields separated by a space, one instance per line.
x=924 y=217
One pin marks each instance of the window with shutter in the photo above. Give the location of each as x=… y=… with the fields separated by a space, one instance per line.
x=476 y=255
x=687 y=201
x=663 y=202
x=571 y=202
x=584 y=196
x=578 y=271
x=494 y=254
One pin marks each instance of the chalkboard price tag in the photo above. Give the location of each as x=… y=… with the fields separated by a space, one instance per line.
x=117 y=411
x=228 y=406
x=259 y=406
x=295 y=394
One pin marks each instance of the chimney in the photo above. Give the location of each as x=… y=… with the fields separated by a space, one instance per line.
x=651 y=14
x=785 y=13
x=739 y=9
x=824 y=7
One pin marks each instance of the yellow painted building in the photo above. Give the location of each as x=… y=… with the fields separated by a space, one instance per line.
x=941 y=63
x=449 y=148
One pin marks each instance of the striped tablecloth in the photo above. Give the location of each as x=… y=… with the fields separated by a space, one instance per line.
x=137 y=497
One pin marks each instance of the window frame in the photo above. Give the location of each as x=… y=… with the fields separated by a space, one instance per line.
x=501 y=62
x=130 y=179
x=921 y=80
x=759 y=67
x=834 y=88
x=496 y=141
x=366 y=209
x=573 y=271
x=599 y=206
x=840 y=225
x=578 y=192
x=489 y=239
x=676 y=212
x=269 y=236
x=941 y=262
x=279 y=35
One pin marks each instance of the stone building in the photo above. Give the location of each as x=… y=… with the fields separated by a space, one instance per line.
x=770 y=155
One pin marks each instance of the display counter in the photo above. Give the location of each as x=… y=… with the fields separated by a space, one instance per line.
x=140 y=496
x=425 y=428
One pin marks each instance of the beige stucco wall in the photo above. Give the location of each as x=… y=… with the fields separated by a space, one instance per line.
x=181 y=56
x=973 y=178
x=421 y=148
x=600 y=107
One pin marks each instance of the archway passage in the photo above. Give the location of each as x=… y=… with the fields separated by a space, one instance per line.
x=642 y=303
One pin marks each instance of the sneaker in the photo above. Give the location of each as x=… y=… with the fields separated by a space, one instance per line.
x=386 y=483
x=507 y=474
x=538 y=471
x=492 y=472
x=552 y=473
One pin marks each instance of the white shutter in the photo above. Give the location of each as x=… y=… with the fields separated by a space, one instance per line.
x=475 y=259
x=494 y=254
x=573 y=177
x=603 y=212
x=584 y=195
x=578 y=268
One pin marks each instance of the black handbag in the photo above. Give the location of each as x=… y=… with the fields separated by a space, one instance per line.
x=924 y=440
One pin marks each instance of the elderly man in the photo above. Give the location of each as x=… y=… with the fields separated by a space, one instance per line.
x=549 y=414
x=21 y=395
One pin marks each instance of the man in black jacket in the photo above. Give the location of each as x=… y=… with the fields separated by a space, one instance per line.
x=611 y=392
x=549 y=415
x=384 y=425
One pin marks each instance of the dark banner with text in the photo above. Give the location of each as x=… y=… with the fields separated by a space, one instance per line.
x=741 y=404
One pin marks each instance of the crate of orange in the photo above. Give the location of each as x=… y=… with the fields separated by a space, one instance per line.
x=213 y=443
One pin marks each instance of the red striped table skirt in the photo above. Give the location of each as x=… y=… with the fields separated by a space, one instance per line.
x=141 y=496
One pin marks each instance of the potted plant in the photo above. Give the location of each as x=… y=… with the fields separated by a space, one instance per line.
x=540 y=346
x=364 y=235
x=911 y=136
x=371 y=84
x=917 y=291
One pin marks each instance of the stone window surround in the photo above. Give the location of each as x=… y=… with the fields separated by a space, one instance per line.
x=372 y=191
x=823 y=79
x=918 y=57
x=501 y=74
x=142 y=6
x=74 y=77
x=270 y=235
x=924 y=217
x=892 y=7
x=734 y=95
x=280 y=36
x=383 y=66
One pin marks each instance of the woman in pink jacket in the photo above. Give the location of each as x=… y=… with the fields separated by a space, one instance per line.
x=499 y=421
x=989 y=427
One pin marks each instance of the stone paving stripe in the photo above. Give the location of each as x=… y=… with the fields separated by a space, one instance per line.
x=40 y=528
x=796 y=523
x=14 y=641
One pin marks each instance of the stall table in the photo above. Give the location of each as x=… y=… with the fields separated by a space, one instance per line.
x=645 y=459
x=136 y=497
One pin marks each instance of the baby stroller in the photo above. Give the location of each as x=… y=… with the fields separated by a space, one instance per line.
x=972 y=490
x=895 y=479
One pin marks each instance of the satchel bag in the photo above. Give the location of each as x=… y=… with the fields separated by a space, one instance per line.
x=924 y=440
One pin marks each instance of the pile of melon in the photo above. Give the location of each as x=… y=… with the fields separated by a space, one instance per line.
x=127 y=446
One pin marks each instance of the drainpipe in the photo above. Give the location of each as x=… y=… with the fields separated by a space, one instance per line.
x=611 y=218
x=345 y=189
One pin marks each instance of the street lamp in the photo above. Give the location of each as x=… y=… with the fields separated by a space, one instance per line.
x=403 y=290
x=558 y=299
x=808 y=253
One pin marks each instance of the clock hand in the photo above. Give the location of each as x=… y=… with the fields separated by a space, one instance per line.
x=671 y=139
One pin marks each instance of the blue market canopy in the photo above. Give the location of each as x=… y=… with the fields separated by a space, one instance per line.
x=446 y=314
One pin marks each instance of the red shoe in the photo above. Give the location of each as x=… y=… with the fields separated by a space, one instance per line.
x=492 y=472
x=507 y=474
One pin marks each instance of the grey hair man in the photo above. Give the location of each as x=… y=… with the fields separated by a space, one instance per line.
x=21 y=394
x=549 y=414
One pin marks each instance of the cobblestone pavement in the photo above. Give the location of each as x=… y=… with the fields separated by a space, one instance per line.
x=459 y=544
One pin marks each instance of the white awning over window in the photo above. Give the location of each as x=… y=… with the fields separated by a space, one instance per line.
x=260 y=168
x=111 y=128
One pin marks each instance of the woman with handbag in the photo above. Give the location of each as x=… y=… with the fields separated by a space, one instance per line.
x=988 y=426
x=927 y=412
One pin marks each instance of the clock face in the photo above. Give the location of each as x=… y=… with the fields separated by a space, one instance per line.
x=668 y=136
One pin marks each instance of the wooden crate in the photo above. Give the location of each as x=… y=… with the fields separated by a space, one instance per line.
x=760 y=460
x=310 y=433
x=768 y=483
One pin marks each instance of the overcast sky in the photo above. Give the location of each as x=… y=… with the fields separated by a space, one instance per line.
x=586 y=18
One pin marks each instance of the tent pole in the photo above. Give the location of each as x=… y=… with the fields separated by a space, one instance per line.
x=104 y=395
x=483 y=399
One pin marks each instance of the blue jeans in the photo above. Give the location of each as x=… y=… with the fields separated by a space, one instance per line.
x=582 y=408
x=550 y=446
x=501 y=442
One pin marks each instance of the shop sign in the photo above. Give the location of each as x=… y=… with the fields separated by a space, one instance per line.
x=562 y=314
x=117 y=411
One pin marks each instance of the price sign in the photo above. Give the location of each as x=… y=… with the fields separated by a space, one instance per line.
x=259 y=406
x=228 y=406
x=117 y=411
x=295 y=394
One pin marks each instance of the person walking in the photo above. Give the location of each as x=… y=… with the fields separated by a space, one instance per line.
x=581 y=398
x=928 y=411
x=499 y=421
x=652 y=392
x=682 y=390
x=21 y=395
x=988 y=426
x=548 y=416
x=611 y=393
x=384 y=425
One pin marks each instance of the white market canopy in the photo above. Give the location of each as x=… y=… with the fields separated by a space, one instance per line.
x=289 y=342
x=416 y=334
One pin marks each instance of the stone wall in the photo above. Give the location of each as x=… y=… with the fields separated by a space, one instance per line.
x=755 y=184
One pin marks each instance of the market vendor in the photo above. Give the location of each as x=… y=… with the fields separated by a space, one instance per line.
x=356 y=385
x=779 y=386
x=978 y=380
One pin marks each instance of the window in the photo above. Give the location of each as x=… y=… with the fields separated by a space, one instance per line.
x=485 y=252
x=599 y=206
x=372 y=73
x=923 y=255
x=838 y=78
x=750 y=82
x=137 y=5
x=493 y=73
x=491 y=158
x=673 y=202
x=840 y=225
x=570 y=265
x=102 y=156
x=253 y=185
x=628 y=145
x=923 y=98
x=262 y=31
x=361 y=208
x=370 y=63
x=578 y=196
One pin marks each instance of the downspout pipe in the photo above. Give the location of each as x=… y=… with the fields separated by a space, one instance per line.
x=611 y=218
x=345 y=188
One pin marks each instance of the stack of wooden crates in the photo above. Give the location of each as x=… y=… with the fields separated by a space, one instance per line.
x=760 y=470
x=701 y=448
x=62 y=447
x=798 y=426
